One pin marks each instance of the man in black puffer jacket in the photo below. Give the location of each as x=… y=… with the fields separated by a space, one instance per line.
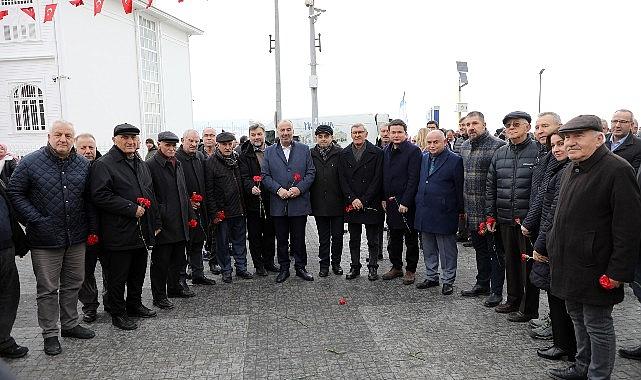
x=509 y=181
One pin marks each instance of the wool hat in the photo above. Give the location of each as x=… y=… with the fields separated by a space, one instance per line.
x=225 y=137
x=126 y=129
x=323 y=128
x=168 y=136
x=582 y=123
x=517 y=115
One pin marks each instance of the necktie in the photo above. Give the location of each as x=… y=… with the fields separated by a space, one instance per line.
x=432 y=165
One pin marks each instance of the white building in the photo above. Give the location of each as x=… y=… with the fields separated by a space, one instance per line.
x=95 y=72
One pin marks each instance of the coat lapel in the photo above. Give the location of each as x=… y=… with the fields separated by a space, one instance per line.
x=440 y=162
x=281 y=154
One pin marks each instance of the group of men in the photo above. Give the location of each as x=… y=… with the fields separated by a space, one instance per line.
x=79 y=208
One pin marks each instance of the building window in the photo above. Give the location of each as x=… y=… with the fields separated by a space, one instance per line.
x=20 y=26
x=28 y=108
x=150 y=76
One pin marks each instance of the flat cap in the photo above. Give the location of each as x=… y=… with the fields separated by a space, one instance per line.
x=517 y=115
x=225 y=137
x=582 y=123
x=167 y=136
x=323 y=128
x=126 y=129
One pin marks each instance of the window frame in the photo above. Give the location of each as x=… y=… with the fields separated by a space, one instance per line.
x=17 y=15
x=17 y=85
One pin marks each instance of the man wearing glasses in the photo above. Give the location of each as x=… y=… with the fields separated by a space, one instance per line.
x=622 y=141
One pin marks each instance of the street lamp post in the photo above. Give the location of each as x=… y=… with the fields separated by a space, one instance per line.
x=313 y=78
x=540 y=82
x=274 y=44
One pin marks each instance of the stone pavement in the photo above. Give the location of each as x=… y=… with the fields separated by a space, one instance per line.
x=297 y=330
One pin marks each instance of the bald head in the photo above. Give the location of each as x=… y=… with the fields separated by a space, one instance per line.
x=435 y=142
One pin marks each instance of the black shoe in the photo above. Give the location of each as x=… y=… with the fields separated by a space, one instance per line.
x=552 y=353
x=14 y=352
x=78 y=332
x=373 y=275
x=380 y=256
x=244 y=274
x=52 y=346
x=468 y=244
x=631 y=353
x=353 y=273
x=260 y=271
x=140 y=311
x=337 y=270
x=188 y=276
x=90 y=316
x=324 y=272
x=427 y=284
x=447 y=289
x=493 y=300
x=506 y=308
x=123 y=322
x=182 y=293
x=302 y=273
x=520 y=317
x=569 y=373
x=477 y=290
x=270 y=267
x=215 y=269
x=282 y=276
x=164 y=303
x=203 y=281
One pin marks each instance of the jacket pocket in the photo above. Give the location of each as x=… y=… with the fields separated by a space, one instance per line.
x=586 y=250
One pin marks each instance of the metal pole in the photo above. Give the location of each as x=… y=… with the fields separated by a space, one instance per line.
x=540 y=83
x=313 y=80
x=459 y=99
x=279 y=112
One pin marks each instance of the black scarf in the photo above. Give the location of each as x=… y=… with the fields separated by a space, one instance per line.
x=323 y=151
x=230 y=160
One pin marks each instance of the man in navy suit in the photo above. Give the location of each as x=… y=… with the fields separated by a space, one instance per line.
x=439 y=203
x=288 y=173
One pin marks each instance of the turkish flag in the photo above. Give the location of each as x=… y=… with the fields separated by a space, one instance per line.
x=180 y=1
x=50 y=9
x=30 y=12
x=127 y=5
x=77 y=3
x=149 y=3
x=3 y=13
x=97 y=6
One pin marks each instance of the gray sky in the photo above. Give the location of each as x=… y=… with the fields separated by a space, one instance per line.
x=374 y=50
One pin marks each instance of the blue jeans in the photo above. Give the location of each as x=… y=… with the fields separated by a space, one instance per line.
x=595 y=339
x=232 y=230
x=490 y=261
x=440 y=247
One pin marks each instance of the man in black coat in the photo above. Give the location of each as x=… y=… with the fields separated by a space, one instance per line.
x=327 y=201
x=593 y=244
x=361 y=176
x=193 y=166
x=207 y=148
x=119 y=180
x=168 y=254
x=622 y=141
x=260 y=225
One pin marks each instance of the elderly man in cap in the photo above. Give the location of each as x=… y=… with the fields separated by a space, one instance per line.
x=288 y=173
x=226 y=207
x=623 y=141
x=168 y=254
x=48 y=192
x=509 y=181
x=122 y=191
x=593 y=244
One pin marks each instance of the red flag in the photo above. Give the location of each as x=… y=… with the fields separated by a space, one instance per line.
x=127 y=5
x=50 y=9
x=180 y=1
x=3 y=13
x=97 y=6
x=30 y=12
x=77 y=3
x=149 y=3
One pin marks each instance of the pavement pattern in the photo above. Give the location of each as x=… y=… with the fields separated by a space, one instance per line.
x=257 y=329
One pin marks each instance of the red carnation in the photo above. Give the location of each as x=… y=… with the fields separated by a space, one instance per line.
x=606 y=282
x=257 y=178
x=518 y=221
x=220 y=215
x=481 y=230
x=490 y=221
x=391 y=199
x=349 y=208
x=297 y=177
x=92 y=239
x=342 y=301
x=195 y=197
x=144 y=202
x=525 y=257
x=193 y=223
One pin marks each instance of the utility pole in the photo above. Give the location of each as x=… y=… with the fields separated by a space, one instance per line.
x=461 y=67
x=274 y=44
x=540 y=83
x=313 y=78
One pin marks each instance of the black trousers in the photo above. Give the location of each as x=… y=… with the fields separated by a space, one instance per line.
x=490 y=261
x=167 y=261
x=9 y=296
x=126 y=267
x=291 y=227
x=330 y=235
x=194 y=251
x=562 y=326
x=374 y=237
x=262 y=239
x=88 y=293
x=210 y=245
x=395 y=250
x=520 y=290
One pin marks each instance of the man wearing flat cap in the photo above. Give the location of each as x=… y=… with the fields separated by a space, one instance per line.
x=593 y=244
x=127 y=226
x=226 y=207
x=508 y=187
x=168 y=254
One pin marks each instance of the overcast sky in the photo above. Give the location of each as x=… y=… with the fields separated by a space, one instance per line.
x=374 y=50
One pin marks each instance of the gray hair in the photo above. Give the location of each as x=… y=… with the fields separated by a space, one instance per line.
x=255 y=126
x=190 y=131
x=84 y=136
x=60 y=122
x=628 y=111
x=555 y=116
x=358 y=125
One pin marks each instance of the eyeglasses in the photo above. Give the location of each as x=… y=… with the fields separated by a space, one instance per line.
x=515 y=124
x=622 y=122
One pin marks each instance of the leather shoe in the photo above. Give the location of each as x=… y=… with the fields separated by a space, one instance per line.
x=270 y=267
x=337 y=270
x=324 y=272
x=78 y=332
x=282 y=276
x=493 y=300
x=244 y=274
x=552 y=353
x=141 y=311
x=302 y=273
x=353 y=273
x=477 y=290
x=227 y=278
x=447 y=289
x=260 y=271
x=506 y=307
x=372 y=276
x=427 y=284
x=164 y=304
x=14 y=352
x=520 y=317
x=409 y=278
x=52 y=346
x=392 y=274
x=631 y=353
x=90 y=316
x=182 y=293
x=569 y=373
x=204 y=281
x=215 y=268
x=123 y=322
